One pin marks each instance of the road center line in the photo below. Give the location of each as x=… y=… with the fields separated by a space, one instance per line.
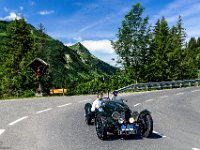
x=180 y=93
x=195 y=149
x=18 y=120
x=160 y=134
x=84 y=101
x=64 y=105
x=165 y=96
x=41 y=111
x=196 y=91
x=137 y=104
x=2 y=131
x=149 y=100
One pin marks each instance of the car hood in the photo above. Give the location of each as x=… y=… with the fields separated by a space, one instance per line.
x=116 y=106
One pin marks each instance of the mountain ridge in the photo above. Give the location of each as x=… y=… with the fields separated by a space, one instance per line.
x=68 y=64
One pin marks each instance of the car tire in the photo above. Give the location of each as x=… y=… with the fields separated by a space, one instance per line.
x=101 y=127
x=88 y=117
x=146 y=125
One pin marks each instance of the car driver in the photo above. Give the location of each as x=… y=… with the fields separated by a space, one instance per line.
x=116 y=98
x=97 y=103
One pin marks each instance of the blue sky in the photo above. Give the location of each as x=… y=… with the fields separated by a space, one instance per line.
x=95 y=22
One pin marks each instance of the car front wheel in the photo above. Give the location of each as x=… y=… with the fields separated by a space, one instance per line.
x=101 y=127
x=146 y=125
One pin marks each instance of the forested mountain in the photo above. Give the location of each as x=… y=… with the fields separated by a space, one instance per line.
x=20 y=43
x=91 y=61
x=146 y=53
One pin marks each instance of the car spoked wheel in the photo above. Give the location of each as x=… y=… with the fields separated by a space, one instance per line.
x=101 y=127
x=146 y=125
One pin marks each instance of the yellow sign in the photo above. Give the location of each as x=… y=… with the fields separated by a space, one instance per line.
x=58 y=91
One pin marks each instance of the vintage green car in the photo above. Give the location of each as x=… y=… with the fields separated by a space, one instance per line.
x=117 y=118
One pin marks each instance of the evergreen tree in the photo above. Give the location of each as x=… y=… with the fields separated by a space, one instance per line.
x=181 y=44
x=20 y=51
x=198 y=56
x=158 y=62
x=190 y=62
x=44 y=53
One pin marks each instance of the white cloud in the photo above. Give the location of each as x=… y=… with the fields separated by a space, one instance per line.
x=100 y=46
x=101 y=21
x=102 y=49
x=78 y=38
x=103 y=46
x=11 y=16
x=95 y=24
x=184 y=8
x=188 y=10
x=46 y=12
x=69 y=44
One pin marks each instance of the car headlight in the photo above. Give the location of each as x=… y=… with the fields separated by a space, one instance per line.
x=115 y=115
x=131 y=120
x=120 y=120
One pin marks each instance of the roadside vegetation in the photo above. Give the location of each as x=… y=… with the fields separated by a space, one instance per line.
x=146 y=53
x=150 y=53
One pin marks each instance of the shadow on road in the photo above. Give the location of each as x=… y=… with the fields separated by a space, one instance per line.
x=155 y=136
x=112 y=137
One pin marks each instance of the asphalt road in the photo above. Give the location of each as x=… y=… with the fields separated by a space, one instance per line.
x=57 y=123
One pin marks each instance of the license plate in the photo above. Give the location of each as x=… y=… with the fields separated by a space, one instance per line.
x=123 y=127
x=130 y=126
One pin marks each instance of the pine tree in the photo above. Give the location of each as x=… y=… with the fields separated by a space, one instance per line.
x=190 y=62
x=198 y=56
x=158 y=63
x=20 y=51
x=181 y=37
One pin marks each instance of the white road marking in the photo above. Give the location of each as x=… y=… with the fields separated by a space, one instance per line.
x=2 y=131
x=137 y=104
x=84 y=101
x=64 y=105
x=165 y=96
x=160 y=134
x=41 y=111
x=195 y=149
x=180 y=93
x=18 y=120
x=149 y=100
x=196 y=91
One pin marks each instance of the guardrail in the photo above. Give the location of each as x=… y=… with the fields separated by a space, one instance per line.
x=161 y=85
